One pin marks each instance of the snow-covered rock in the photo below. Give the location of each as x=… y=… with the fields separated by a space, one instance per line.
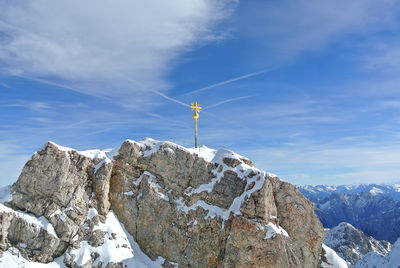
x=351 y=244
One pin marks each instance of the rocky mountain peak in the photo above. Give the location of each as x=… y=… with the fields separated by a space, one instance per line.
x=352 y=244
x=175 y=205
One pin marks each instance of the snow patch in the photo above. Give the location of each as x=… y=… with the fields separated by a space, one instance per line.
x=271 y=230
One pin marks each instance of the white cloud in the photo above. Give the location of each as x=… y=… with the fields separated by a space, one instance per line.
x=92 y=45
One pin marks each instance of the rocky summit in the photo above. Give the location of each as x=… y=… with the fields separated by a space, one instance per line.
x=156 y=204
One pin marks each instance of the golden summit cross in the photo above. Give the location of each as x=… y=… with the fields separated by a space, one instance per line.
x=195 y=107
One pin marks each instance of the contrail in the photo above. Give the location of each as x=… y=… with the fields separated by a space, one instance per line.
x=228 y=100
x=169 y=98
x=44 y=81
x=226 y=82
x=152 y=90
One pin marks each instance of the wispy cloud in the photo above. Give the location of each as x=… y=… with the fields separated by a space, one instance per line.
x=36 y=106
x=101 y=38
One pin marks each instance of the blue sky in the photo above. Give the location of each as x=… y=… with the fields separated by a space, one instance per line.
x=319 y=104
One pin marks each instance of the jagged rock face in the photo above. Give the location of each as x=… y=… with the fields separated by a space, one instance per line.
x=351 y=244
x=295 y=214
x=211 y=214
x=179 y=204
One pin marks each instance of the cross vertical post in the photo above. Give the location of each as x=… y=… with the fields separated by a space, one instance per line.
x=195 y=107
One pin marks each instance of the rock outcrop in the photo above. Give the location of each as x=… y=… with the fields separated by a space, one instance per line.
x=191 y=207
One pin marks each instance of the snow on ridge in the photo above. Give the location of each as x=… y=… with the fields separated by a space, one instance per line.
x=151 y=146
x=40 y=222
x=105 y=156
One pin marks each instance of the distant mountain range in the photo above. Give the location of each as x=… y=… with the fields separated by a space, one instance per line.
x=318 y=192
x=373 y=208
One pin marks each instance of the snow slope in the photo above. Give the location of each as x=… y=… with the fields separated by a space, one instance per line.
x=332 y=259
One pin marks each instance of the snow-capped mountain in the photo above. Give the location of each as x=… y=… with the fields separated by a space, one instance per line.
x=156 y=204
x=377 y=216
x=318 y=192
x=376 y=260
x=351 y=244
x=372 y=208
